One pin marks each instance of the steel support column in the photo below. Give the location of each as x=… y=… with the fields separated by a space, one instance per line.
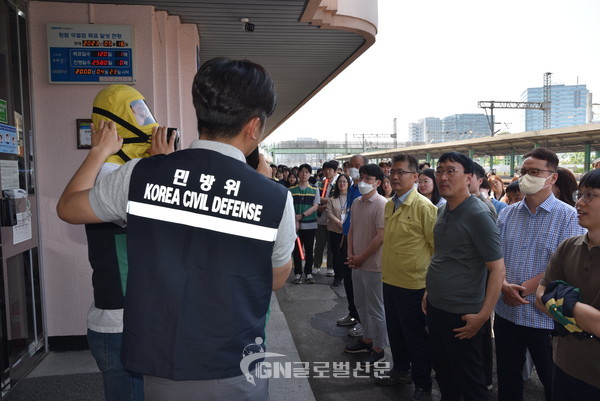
x=587 y=160
x=512 y=162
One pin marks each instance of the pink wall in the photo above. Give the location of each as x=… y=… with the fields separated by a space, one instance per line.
x=165 y=64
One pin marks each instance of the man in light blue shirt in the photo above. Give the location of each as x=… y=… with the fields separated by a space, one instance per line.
x=352 y=318
x=530 y=231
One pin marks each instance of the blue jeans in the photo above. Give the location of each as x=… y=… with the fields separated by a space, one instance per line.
x=119 y=383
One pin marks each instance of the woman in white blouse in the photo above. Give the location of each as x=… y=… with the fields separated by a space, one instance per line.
x=337 y=210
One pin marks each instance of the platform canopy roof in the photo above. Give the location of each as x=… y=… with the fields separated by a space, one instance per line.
x=304 y=44
x=559 y=140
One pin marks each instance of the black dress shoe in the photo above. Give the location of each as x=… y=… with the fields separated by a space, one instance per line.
x=394 y=377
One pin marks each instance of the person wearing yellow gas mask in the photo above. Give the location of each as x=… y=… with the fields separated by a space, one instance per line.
x=135 y=123
x=142 y=137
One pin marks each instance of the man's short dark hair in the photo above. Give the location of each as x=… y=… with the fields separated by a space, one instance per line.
x=478 y=170
x=591 y=179
x=457 y=157
x=305 y=166
x=485 y=183
x=423 y=165
x=330 y=164
x=513 y=187
x=372 y=170
x=544 y=154
x=228 y=93
x=402 y=157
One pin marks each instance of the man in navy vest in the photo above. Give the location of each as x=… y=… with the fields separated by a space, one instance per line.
x=208 y=239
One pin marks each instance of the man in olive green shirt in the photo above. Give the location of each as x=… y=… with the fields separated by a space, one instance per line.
x=407 y=249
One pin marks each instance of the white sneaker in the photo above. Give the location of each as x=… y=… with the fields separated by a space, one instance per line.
x=346 y=321
x=298 y=279
x=356 y=331
x=330 y=273
x=315 y=271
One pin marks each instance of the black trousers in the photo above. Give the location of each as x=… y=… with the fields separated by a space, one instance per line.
x=307 y=238
x=458 y=364
x=347 y=276
x=407 y=332
x=335 y=242
x=488 y=351
x=568 y=388
x=512 y=340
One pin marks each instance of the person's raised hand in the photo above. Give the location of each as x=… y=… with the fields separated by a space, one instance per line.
x=105 y=138
x=159 y=144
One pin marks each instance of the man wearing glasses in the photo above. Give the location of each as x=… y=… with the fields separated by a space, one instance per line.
x=407 y=250
x=530 y=231
x=457 y=300
x=576 y=370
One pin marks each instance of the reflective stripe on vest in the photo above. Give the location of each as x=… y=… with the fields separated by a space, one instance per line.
x=193 y=219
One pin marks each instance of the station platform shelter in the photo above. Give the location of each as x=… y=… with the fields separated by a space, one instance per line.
x=580 y=138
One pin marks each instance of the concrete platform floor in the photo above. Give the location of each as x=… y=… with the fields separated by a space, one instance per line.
x=311 y=311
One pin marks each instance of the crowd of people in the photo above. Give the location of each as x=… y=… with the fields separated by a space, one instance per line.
x=433 y=260
x=194 y=242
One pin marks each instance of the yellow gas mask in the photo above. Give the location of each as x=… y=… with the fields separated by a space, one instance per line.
x=127 y=108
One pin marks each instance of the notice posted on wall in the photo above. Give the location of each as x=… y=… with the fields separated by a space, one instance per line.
x=22 y=231
x=9 y=172
x=8 y=139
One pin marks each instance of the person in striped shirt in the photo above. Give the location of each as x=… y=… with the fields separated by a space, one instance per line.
x=306 y=201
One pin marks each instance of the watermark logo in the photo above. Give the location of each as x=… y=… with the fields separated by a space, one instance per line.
x=251 y=353
x=297 y=370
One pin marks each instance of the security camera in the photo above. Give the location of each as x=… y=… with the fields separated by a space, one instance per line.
x=248 y=26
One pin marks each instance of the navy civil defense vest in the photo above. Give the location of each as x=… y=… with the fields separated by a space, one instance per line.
x=200 y=235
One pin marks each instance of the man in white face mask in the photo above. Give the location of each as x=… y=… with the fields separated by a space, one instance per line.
x=352 y=318
x=530 y=231
x=364 y=258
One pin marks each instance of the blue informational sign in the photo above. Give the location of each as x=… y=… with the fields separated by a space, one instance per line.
x=90 y=53
x=8 y=139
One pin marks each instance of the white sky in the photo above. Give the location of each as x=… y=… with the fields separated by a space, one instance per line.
x=435 y=58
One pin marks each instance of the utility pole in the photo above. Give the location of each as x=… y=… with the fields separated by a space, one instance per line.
x=498 y=104
x=545 y=105
x=363 y=136
x=347 y=151
x=547 y=99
